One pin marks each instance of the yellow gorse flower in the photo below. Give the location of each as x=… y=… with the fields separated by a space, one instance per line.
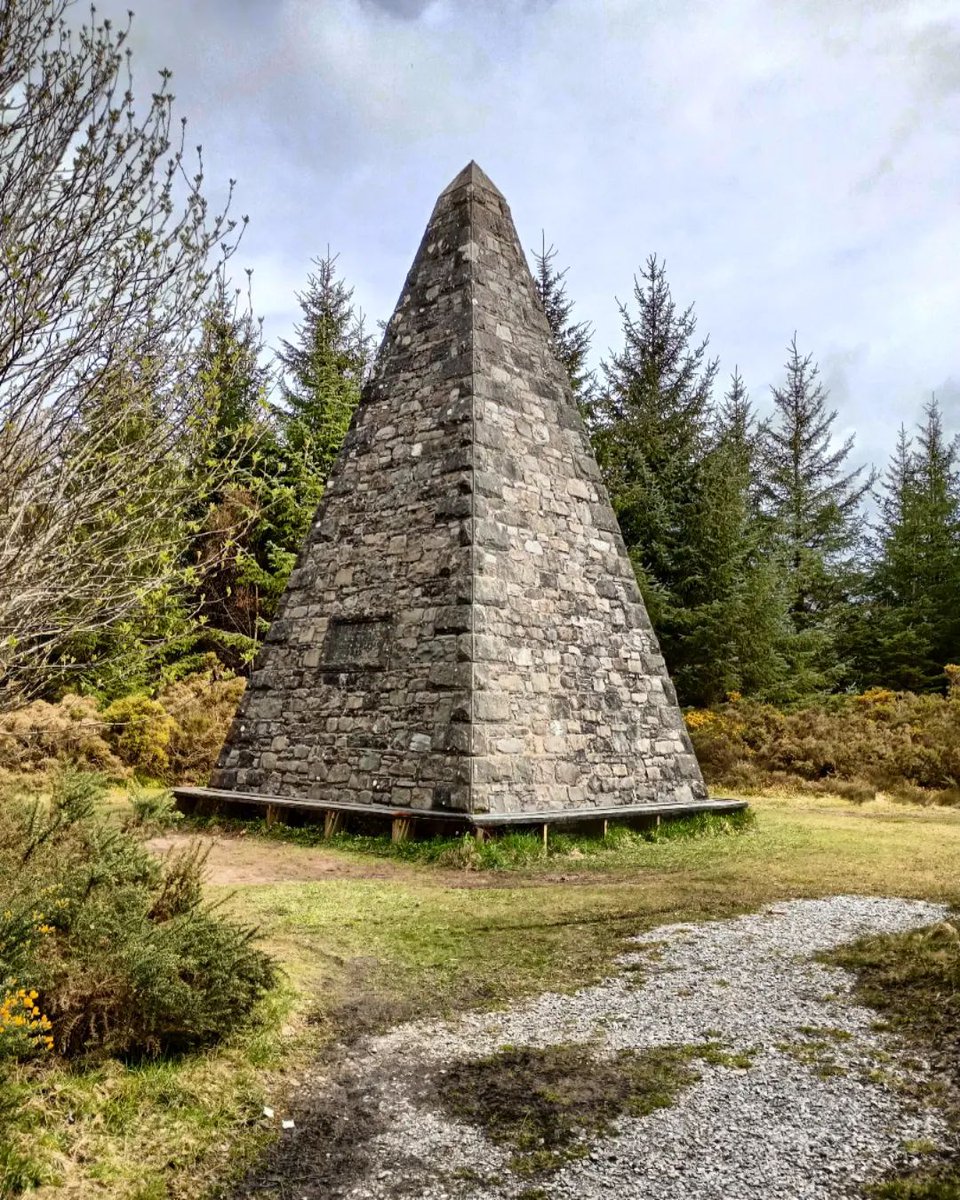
x=22 y=1025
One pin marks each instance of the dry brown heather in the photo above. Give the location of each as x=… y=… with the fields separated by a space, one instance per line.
x=881 y=741
x=173 y=737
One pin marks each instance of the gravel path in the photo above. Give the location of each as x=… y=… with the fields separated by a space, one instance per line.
x=804 y=1119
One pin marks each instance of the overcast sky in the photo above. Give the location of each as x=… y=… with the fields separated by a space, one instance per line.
x=796 y=163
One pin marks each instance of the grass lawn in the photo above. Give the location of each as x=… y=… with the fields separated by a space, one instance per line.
x=366 y=940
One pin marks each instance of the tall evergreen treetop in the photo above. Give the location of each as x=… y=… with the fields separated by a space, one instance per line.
x=909 y=629
x=653 y=425
x=735 y=423
x=932 y=512
x=659 y=366
x=572 y=337
x=812 y=502
x=324 y=368
x=231 y=374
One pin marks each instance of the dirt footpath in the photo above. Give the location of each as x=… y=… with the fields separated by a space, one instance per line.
x=235 y=860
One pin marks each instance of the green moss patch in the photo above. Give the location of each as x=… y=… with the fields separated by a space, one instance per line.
x=549 y=1105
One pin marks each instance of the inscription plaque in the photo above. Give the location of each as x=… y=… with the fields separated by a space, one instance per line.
x=357 y=643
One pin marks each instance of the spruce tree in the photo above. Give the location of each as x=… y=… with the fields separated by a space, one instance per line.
x=652 y=428
x=239 y=556
x=322 y=374
x=652 y=434
x=915 y=617
x=731 y=629
x=813 y=506
x=572 y=338
x=735 y=422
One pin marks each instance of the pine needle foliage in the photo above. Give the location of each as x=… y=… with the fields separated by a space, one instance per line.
x=812 y=502
x=571 y=338
x=323 y=370
x=915 y=580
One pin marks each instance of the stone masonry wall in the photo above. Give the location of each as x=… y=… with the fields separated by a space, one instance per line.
x=463 y=629
x=359 y=693
x=572 y=705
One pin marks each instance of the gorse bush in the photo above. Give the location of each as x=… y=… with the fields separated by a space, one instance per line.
x=151 y=811
x=40 y=735
x=173 y=737
x=115 y=951
x=898 y=742
x=905 y=744
x=139 y=731
x=201 y=707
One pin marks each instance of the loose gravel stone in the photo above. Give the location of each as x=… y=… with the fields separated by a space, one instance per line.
x=804 y=1120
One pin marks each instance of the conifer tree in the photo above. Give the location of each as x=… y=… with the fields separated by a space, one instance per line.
x=735 y=422
x=572 y=338
x=652 y=428
x=322 y=373
x=813 y=508
x=239 y=556
x=914 y=614
x=732 y=627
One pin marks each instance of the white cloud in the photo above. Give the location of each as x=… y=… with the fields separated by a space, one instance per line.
x=794 y=163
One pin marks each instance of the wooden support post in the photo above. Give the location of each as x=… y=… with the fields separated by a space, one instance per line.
x=208 y=807
x=606 y=826
x=271 y=814
x=401 y=829
x=546 y=836
x=480 y=835
x=658 y=820
x=332 y=822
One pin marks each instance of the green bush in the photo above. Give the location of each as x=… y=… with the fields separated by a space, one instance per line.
x=117 y=948
x=140 y=730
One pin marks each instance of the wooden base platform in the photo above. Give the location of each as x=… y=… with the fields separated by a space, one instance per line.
x=405 y=822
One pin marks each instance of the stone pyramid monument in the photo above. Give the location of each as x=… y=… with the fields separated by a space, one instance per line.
x=463 y=631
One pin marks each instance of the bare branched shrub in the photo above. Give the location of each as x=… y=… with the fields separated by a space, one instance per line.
x=107 y=252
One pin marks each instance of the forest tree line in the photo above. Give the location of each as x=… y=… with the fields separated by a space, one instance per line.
x=771 y=567
x=159 y=468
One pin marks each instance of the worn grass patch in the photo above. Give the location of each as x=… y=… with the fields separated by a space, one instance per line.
x=913 y=979
x=549 y=1105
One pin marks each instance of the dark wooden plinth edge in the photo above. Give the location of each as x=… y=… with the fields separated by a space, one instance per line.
x=405 y=821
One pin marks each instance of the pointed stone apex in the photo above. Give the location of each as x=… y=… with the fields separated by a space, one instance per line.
x=471 y=173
